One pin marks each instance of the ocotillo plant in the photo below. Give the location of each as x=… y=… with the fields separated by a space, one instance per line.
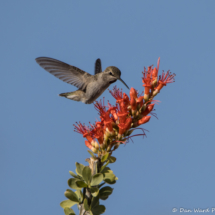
x=116 y=125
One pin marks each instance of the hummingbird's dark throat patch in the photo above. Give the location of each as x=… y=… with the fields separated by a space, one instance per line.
x=112 y=81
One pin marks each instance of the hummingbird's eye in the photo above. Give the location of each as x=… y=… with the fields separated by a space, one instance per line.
x=110 y=73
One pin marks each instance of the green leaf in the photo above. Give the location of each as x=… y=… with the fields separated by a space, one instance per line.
x=67 y=203
x=79 y=168
x=80 y=195
x=74 y=175
x=104 y=166
x=95 y=202
x=104 y=157
x=99 y=209
x=69 y=211
x=72 y=183
x=94 y=191
x=112 y=159
x=90 y=212
x=86 y=206
x=96 y=179
x=105 y=192
x=108 y=181
x=86 y=173
x=71 y=195
x=109 y=175
x=106 y=169
x=81 y=184
x=91 y=153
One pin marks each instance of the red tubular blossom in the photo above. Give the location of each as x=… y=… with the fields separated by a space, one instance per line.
x=133 y=104
x=133 y=93
x=116 y=93
x=140 y=100
x=98 y=132
x=81 y=129
x=128 y=123
x=84 y=130
x=165 y=79
x=125 y=99
x=88 y=137
x=104 y=115
x=122 y=116
x=147 y=78
x=112 y=110
x=121 y=128
x=108 y=125
x=90 y=146
x=155 y=71
x=123 y=113
x=144 y=120
x=148 y=109
x=100 y=107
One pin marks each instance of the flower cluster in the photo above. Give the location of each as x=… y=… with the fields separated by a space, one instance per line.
x=118 y=121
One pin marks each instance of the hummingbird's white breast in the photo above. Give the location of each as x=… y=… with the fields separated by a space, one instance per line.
x=95 y=88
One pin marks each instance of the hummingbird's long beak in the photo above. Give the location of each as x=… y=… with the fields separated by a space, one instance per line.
x=123 y=82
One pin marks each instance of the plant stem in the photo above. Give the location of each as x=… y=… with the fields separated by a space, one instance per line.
x=94 y=165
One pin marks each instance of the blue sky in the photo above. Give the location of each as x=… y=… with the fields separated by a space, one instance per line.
x=172 y=167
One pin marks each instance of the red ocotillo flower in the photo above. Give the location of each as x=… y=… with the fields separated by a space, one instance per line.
x=164 y=79
x=87 y=133
x=148 y=109
x=133 y=105
x=140 y=101
x=112 y=110
x=84 y=130
x=155 y=73
x=122 y=112
x=123 y=127
x=147 y=78
x=104 y=115
x=144 y=120
x=133 y=93
x=98 y=132
x=125 y=99
x=90 y=146
x=117 y=94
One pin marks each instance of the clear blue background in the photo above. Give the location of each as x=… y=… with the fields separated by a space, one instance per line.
x=173 y=167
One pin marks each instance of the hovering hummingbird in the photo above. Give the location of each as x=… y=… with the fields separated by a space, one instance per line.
x=90 y=87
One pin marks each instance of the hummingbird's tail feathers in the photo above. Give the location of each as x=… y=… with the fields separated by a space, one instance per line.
x=98 y=66
x=65 y=72
x=63 y=95
x=77 y=95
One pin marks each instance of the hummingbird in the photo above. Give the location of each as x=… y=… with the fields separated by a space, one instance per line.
x=90 y=87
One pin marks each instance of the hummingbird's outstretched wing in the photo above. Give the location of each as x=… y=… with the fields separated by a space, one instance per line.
x=98 y=66
x=65 y=72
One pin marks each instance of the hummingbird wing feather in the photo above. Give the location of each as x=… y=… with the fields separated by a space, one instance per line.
x=98 y=66
x=65 y=72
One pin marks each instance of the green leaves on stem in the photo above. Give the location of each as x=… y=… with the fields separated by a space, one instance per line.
x=86 y=173
x=71 y=195
x=92 y=184
x=79 y=168
x=105 y=192
x=96 y=179
x=69 y=211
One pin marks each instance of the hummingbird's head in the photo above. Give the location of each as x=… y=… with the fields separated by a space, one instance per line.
x=113 y=74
